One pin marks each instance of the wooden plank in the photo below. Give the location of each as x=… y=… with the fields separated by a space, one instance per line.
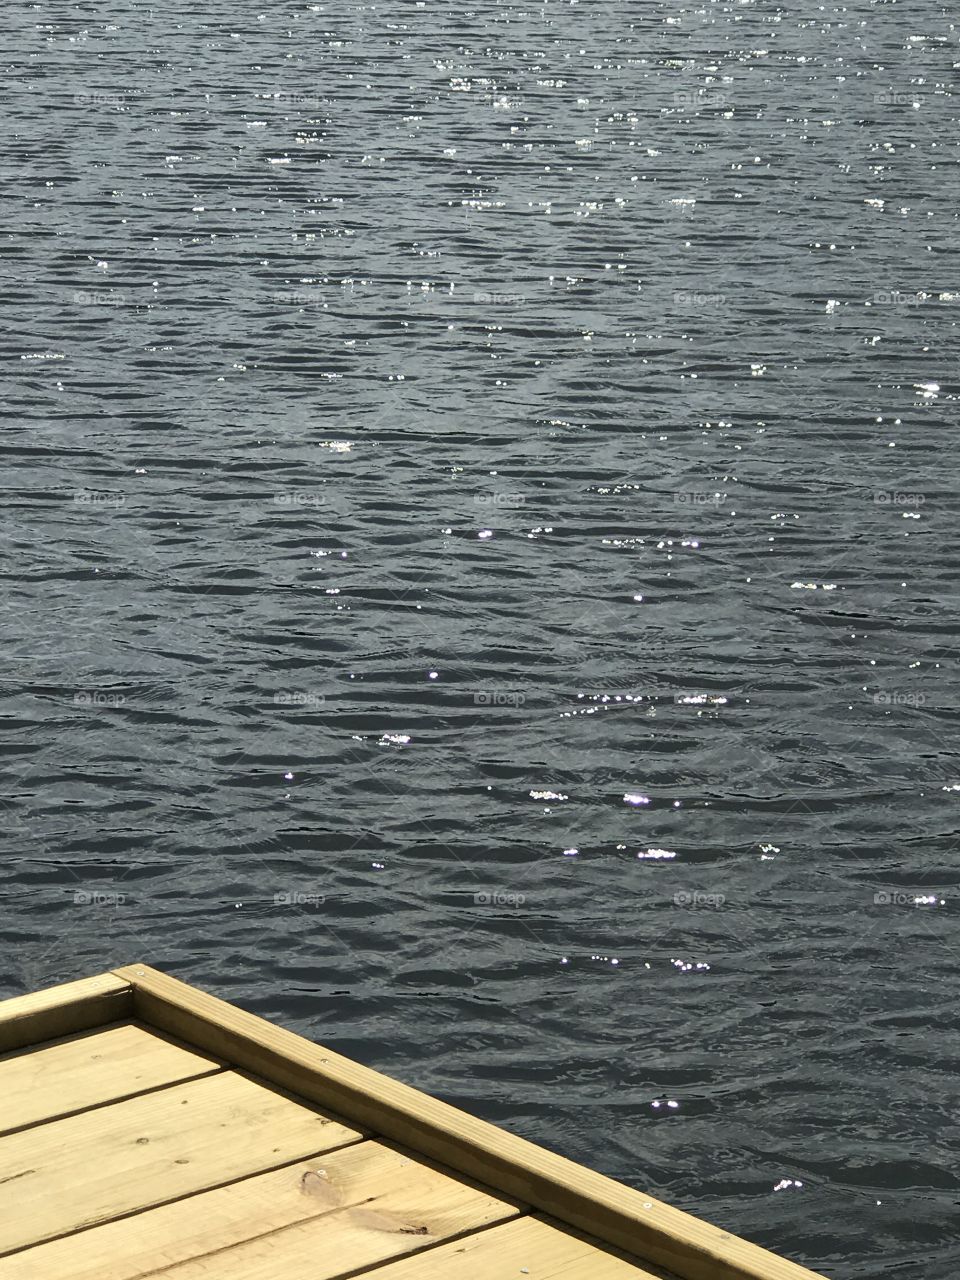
x=118 y=1159
x=527 y=1247
x=370 y=1203
x=60 y=1011
x=90 y=1069
x=586 y=1200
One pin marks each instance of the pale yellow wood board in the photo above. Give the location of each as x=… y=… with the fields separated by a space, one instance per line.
x=525 y=1249
x=71 y=1173
x=586 y=1200
x=342 y=1211
x=91 y=1068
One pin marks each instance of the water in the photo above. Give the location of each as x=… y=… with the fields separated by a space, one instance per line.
x=480 y=568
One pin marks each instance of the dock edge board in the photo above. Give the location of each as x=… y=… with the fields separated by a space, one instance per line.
x=63 y=1010
x=614 y=1214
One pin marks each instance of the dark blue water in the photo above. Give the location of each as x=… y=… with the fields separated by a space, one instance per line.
x=480 y=569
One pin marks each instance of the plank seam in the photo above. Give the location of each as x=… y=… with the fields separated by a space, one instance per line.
x=189 y=1195
x=343 y=1208
x=110 y=1102
x=428 y=1248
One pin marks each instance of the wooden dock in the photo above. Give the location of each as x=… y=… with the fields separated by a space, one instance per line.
x=149 y=1129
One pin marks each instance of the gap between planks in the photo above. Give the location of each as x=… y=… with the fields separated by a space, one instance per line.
x=203 y=1133
x=368 y=1268
x=162 y=1204
x=370 y=1203
x=70 y=1056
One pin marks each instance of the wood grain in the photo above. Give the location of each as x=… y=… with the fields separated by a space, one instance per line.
x=118 y=1159
x=60 y=1011
x=346 y=1210
x=526 y=1249
x=89 y=1069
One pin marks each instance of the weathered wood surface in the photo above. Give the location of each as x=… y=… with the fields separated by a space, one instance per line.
x=89 y=1069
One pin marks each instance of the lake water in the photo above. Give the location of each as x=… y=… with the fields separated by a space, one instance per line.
x=480 y=567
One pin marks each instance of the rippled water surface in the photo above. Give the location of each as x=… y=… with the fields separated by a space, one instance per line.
x=480 y=570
